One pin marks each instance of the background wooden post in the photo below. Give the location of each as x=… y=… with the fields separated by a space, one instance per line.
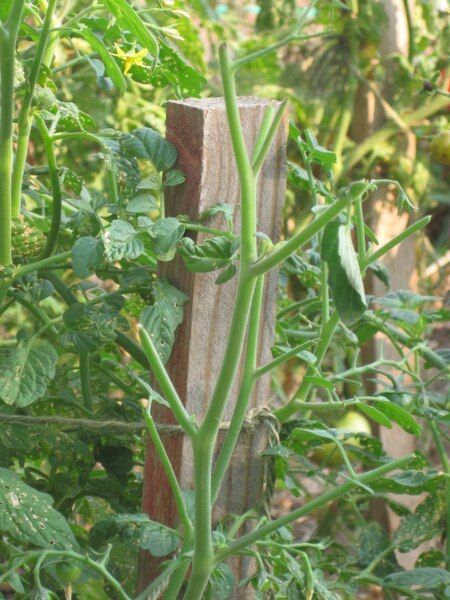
x=198 y=129
x=382 y=216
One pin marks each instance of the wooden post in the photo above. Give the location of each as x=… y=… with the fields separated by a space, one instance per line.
x=199 y=130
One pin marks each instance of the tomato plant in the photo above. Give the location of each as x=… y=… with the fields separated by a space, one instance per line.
x=89 y=325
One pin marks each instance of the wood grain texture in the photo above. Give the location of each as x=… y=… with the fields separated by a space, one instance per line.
x=198 y=129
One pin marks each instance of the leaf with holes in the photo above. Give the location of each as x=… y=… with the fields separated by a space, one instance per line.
x=422 y=525
x=26 y=372
x=90 y=327
x=426 y=577
x=28 y=516
x=158 y=539
x=163 y=317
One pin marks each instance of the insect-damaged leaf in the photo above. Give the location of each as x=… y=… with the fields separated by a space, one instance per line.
x=422 y=525
x=26 y=372
x=158 y=539
x=426 y=577
x=29 y=517
x=344 y=276
x=148 y=144
x=163 y=317
x=90 y=327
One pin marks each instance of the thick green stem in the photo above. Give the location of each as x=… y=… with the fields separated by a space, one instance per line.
x=204 y=443
x=25 y=119
x=246 y=387
x=262 y=532
x=265 y=141
x=8 y=39
x=52 y=238
x=203 y=558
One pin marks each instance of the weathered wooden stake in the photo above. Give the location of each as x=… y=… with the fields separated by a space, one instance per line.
x=198 y=129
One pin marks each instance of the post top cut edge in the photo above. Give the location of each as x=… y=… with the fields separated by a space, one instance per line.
x=203 y=104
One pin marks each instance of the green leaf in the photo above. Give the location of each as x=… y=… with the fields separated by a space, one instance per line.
x=422 y=525
x=227 y=274
x=121 y=241
x=141 y=204
x=216 y=209
x=316 y=153
x=5 y=5
x=214 y=253
x=29 y=517
x=380 y=271
x=344 y=276
x=410 y=482
x=173 y=177
x=374 y=540
x=375 y=415
x=426 y=577
x=26 y=372
x=316 y=381
x=148 y=144
x=129 y=19
x=112 y=68
x=399 y=415
x=163 y=317
x=90 y=327
x=222 y=583
x=165 y=234
x=158 y=539
x=87 y=255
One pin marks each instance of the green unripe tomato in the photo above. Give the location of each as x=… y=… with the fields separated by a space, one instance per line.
x=440 y=148
x=68 y=573
x=351 y=422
